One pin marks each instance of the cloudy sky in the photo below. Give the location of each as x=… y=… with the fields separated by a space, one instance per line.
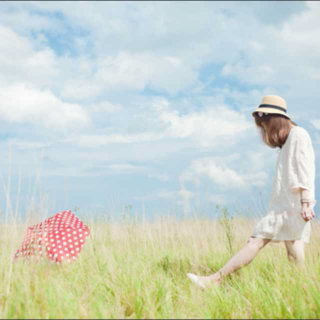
x=105 y=105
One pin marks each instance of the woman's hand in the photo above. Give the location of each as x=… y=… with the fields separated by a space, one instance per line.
x=306 y=212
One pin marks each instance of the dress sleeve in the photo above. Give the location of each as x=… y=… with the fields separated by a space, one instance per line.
x=304 y=166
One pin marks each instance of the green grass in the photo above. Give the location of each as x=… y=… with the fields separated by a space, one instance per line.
x=139 y=271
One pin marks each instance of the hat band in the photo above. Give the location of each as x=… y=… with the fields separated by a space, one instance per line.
x=272 y=107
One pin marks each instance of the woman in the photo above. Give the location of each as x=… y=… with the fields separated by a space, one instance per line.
x=292 y=198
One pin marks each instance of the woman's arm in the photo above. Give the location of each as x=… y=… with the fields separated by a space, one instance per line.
x=303 y=169
x=307 y=212
x=306 y=196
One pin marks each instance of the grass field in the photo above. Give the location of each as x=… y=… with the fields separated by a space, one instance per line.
x=138 y=270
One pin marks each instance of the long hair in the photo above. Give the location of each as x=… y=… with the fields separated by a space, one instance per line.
x=277 y=129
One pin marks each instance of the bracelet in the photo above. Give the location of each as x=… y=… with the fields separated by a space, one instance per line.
x=307 y=201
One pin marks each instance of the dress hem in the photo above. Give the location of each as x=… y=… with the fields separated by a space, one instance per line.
x=278 y=240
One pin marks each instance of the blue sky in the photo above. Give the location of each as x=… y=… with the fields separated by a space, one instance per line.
x=148 y=104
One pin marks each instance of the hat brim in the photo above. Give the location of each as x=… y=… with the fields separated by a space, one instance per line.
x=273 y=111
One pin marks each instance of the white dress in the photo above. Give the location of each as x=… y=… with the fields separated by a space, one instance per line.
x=295 y=169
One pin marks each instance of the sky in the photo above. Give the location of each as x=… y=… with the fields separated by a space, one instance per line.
x=144 y=108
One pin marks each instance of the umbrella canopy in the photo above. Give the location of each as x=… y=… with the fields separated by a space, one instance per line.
x=59 y=238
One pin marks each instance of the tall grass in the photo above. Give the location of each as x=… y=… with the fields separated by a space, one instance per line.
x=138 y=270
x=226 y=222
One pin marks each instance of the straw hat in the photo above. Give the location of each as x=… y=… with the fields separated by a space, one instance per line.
x=272 y=104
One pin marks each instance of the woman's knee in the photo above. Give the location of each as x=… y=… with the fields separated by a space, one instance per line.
x=298 y=258
x=295 y=250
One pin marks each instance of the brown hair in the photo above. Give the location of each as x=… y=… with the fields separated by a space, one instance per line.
x=277 y=129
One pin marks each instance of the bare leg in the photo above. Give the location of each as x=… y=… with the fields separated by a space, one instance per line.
x=240 y=259
x=295 y=250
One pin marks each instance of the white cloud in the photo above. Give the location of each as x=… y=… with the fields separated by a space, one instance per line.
x=228 y=177
x=257 y=160
x=24 y=59
x=261 y=74
x=289 y=51
x=257 y=179
x=205 y=127
x=163 y=194
x=219 y=170
x=96 y=141
x=216 y=198
x=221 y=175
x=125 y=168
x=159 y=58
x=159 y=176
x=133 y=72
x=20 y=18
x=95 y=169
x=316 y=123
x=21 y=62
x=105 y=106
x=246 y=101
x=26 y=144
x=23 y=105
x=66 y=71
x=186 y=197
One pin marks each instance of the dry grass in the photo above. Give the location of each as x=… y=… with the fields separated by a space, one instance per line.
x=138 y=270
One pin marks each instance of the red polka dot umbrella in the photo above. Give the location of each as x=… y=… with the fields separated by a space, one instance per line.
x=59 y=238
